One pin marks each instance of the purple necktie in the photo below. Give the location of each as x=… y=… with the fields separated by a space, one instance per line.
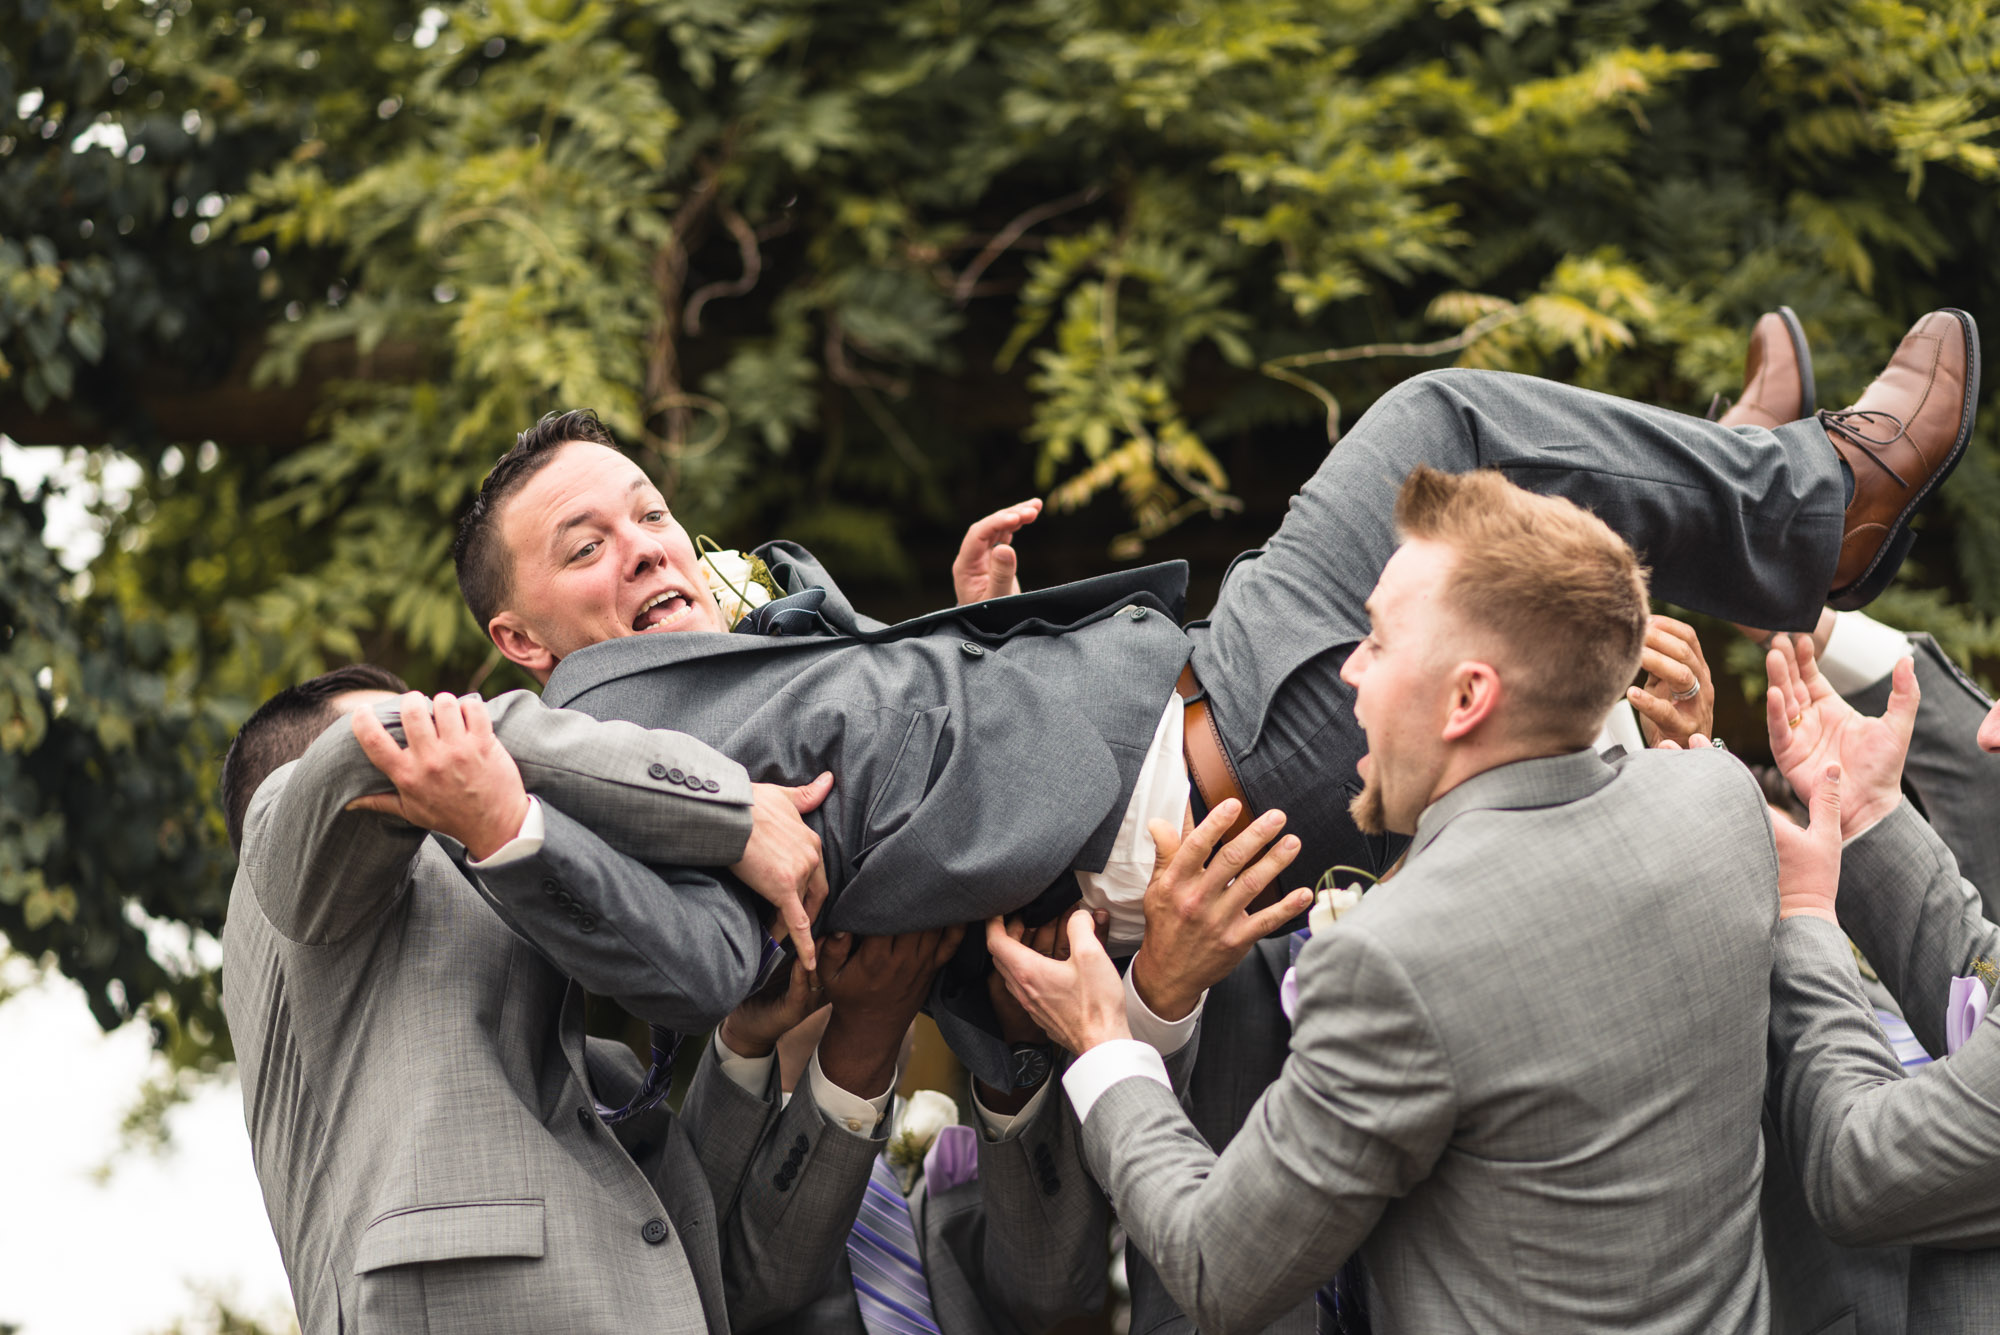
x=888 y=1269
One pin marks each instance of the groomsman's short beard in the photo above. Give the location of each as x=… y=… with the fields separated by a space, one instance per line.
x=1366 y=808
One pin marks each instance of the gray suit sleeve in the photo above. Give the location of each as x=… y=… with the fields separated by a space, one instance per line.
x=1882 y=1159
x=618 y=777
x=726 y=1123
x=320 y=870
x=676 y=947
x=1917 y=921
x=1362 y=1111
x=800 y=1192
x=1042 y=1255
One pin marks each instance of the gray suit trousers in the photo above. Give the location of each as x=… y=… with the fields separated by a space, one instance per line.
x=1740 y=523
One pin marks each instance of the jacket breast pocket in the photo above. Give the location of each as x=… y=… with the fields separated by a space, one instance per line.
x=902 y=789
x=443 y=1269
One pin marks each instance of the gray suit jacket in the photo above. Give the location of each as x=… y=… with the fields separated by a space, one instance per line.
x=1883 y=1157
x=1010 y=1253
x=416 y=1081
x=1502 y=1079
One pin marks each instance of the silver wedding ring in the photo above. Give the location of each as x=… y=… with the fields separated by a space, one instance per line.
x=1689 y=694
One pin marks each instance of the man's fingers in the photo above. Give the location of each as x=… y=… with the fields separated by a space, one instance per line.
x=1000 y=570
x=947 y=945
x=816 y=890
x=807 y=797
x=478 y=723
x=1778 y=722
x=389 y=804
x=1673 y=628
x=1083 y=938
x=798 y=926
x=1676 y=674
x=1260 y=925
x=1166 y=842
x=450 y=720
x=1660 y=712
x=418 y=729
x=1825 y=807
x=1239 y=852
x=1901 y=714
x=1250 y=882
x=377 y=744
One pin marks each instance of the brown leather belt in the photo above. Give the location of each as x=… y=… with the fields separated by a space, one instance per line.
x=1207 y=761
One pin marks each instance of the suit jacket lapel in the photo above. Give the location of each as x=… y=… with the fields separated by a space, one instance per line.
x=1550 y=781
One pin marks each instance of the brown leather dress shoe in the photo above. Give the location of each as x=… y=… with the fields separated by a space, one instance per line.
x=1777 y=374
x=1902 y=438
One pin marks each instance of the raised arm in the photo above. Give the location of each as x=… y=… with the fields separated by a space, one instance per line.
x=1233 y=1240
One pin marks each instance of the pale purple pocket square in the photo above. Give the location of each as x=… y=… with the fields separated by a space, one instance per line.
x=1963 y=1012
x=952 y=1160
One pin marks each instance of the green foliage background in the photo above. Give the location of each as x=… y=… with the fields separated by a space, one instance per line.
x=852 y=273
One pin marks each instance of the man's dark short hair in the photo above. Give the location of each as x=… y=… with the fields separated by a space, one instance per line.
x=281 y=730
x=485 y=567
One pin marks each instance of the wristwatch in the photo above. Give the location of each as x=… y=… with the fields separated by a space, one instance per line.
x=1032 y=1063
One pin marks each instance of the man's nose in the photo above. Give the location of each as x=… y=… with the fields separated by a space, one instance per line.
x=1989 y=730
x=643 y=551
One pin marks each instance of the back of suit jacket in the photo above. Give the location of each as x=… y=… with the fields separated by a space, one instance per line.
x=1528 y=1071
x=420 y=1108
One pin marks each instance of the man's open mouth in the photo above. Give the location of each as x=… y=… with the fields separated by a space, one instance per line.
x=662 y=611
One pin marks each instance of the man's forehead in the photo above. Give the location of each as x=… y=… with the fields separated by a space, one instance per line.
x=583 y=480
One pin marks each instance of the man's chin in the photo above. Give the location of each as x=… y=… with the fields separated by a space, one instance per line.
x=1366 y=808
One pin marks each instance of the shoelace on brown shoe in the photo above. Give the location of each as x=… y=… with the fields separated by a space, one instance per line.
x=1833 y=420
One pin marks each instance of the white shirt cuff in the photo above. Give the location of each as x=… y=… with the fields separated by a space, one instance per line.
x=859 y=1115
x=751 y=1074
x=1002 y=1126
x=1090 y=1076
x=1166 y=1036
x=1860 y=652
x=523 y=845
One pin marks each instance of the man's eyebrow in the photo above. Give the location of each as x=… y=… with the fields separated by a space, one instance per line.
x=590 y=516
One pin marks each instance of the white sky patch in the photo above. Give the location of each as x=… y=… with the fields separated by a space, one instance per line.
x=72 y=533
x=198 y=1211
x=105 y=134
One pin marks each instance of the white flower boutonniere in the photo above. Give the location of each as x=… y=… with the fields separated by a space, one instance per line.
x=740 y=582
x=925 y=1114
x=1330 y=905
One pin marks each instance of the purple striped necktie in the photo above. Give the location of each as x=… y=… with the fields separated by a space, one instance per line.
x=888 y=1269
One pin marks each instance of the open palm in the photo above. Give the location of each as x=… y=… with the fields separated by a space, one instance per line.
x=1812 y=728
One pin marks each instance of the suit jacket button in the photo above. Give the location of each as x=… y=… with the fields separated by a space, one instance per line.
x=710 y=785
x=801 y=1144
x=676 y=776
x=550 y=887
x=586 y=923
x=1050 y=1186
x=781 y=1182
x=970 y=650
x=656 y=770
x=692 y=783
x=563 y=900
x=584 y=1119
x=655 y=1231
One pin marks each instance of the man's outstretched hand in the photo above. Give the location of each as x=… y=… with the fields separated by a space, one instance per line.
x=1198 y=920
x=1812 y=728
x=454 y=777
x=782 y=860
x=1809 y=859
x=986 y=566
x=1079 y=1001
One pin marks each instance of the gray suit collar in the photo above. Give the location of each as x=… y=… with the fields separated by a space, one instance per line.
x=1551 y=781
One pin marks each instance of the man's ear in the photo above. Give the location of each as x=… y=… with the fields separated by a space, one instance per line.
x=1475 y=697
x=518 y=644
